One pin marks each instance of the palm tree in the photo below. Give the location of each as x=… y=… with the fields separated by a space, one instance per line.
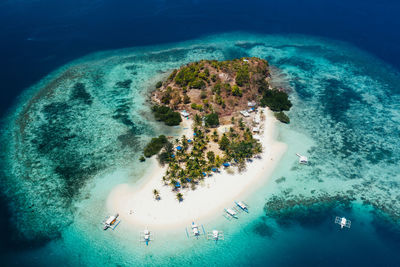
x=156 y=194
x=197 y=119
x=215 y=136
x=179 y=196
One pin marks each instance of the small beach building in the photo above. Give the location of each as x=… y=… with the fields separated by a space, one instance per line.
x=244 y=113
x=256 y=129
x=257 y=119
x=184 y=113
x=251 y=104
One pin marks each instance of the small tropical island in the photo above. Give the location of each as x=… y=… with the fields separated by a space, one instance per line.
x=220 y=99
x=226 y=112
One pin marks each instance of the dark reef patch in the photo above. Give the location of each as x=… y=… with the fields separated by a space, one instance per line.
x=129 y=139
x=248 y=45
x=336 y=98
x=80 y=93
x=261 y=228
x=301 y=63
x=305 y=211
x=124 y=84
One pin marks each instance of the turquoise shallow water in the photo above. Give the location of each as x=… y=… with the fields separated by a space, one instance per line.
x=79 y=132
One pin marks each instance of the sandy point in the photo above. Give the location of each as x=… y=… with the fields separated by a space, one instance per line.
x=137 y=205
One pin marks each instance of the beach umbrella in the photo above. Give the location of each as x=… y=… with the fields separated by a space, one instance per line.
x=226 y=164
x=178 y=148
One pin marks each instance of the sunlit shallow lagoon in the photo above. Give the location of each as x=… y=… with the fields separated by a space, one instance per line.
x=79 y=132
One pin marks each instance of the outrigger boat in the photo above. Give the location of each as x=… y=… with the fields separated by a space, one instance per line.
x=302 y=159
x=242 y=206
x=195 y=230
x=231 y=212
x=111 y=222
x=215 y=235
x=146 y=236
x=343 y=222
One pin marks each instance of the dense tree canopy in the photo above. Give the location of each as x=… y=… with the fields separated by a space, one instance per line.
x=155 y=145
x=212 y=120
x=167 y=115
x=276 y=100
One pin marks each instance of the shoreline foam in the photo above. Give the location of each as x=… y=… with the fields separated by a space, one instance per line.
x=137 y=206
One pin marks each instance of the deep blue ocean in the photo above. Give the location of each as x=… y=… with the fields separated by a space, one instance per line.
x=37 y=37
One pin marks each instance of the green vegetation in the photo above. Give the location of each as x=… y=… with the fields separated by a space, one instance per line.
x=167 y=115
x=282 y=117
x=224 y=143
x=156 y=194
x=158 y=84
x=211 y=156
x=179 y=197
x=192 y=76
x=196 y=107
x=243 y=76
x=211 y=120
x=155 y=145
x=276 y=100
x=186 y=99
x=142 y=159
x=236 y=91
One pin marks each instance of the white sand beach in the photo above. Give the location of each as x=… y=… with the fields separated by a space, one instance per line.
x=136 y=204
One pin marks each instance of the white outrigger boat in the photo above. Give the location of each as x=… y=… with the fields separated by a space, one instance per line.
x=195 y=230
x=343 y=222
x=243 y=206
x=146 y=236
x=111 y=222
x=231 y=213
x=302 y=159
x=215 y=235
